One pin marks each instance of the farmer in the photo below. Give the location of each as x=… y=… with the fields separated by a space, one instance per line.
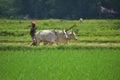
x=81 y=20
x=33 y=31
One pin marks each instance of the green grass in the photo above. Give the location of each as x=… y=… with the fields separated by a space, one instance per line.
x=89 y=31
x=59 y=63
x=68 y=62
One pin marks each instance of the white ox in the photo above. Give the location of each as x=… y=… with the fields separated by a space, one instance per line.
x=49 y=36
x=61 y=39
x=71 y=36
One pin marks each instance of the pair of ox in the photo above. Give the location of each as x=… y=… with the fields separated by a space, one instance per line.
x=54 y=36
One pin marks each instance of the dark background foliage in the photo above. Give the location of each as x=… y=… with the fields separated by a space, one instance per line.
x=61 y=9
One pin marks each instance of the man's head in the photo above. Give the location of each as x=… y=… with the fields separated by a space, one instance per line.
x=33 y=24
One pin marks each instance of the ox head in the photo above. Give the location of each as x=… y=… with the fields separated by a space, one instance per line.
x=72 y=35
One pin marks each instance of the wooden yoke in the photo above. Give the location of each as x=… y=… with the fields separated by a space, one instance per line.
x=70 y=28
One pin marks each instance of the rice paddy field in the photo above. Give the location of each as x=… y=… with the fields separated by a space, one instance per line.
x=76 y=61
x=89 y=31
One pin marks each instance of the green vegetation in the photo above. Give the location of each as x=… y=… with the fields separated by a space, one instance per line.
x=63 y=62
x=89 y=31
x=59 y=9
x=59 y=63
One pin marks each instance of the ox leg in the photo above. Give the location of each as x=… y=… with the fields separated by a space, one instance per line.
x=31 y=44
x=57 y=43
x=51 y=43
x=66 y=42
x=45 y=43
x=37 y=42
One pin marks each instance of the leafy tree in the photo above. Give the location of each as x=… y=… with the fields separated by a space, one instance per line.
x=6 y=8
x=65 y=9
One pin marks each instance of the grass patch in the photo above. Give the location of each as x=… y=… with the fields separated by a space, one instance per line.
x=68 y=62
x=96 y=30
x=60 y=47
x=56 y=63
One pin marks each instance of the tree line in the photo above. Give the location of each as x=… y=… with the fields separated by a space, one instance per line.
x=60 y=9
